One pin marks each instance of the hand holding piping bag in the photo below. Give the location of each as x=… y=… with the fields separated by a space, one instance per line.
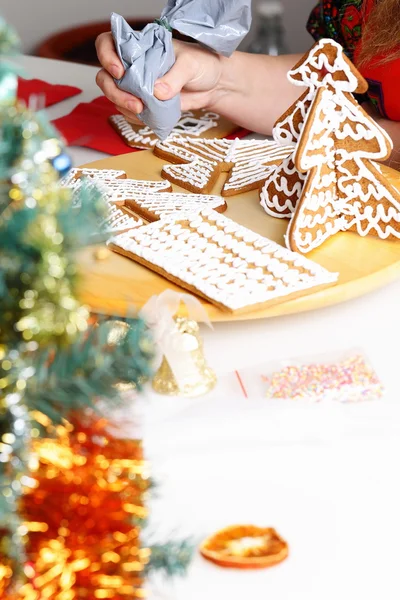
x=218 y=25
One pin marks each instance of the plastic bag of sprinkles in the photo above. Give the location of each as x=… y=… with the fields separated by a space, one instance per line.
x=345 y=377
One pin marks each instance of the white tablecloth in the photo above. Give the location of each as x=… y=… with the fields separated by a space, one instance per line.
x=326 y=476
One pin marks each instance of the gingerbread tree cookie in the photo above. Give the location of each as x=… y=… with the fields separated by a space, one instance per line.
x=344 y=190
x=199 y=162
x=325 y=65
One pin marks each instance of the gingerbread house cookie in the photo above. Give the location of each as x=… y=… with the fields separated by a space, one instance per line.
x=223 y=262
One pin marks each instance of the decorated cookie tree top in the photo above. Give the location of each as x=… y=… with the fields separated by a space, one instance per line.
x=344 y=189
x=326 y=65
x=328 y=126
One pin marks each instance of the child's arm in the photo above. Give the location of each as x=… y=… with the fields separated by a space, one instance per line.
x=251 y=90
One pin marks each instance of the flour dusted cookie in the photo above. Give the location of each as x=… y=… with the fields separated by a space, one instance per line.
x=344 y=190
x=197 y=123
x=154 y=206
x=223 y=262
x=199 y=162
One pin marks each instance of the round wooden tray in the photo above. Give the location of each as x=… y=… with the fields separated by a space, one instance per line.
x=117 y=285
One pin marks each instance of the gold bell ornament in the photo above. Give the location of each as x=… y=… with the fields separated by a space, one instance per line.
x=183 y=370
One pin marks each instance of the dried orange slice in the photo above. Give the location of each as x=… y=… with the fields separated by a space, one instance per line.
x=245 y=547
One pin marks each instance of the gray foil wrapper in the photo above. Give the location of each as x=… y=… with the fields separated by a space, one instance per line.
x=147 y=55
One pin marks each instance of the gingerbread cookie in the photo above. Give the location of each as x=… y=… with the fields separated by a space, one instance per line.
x=330 y=183
x=121 y=191
x=199 y=162
x=197 y=123
x=223 y=262
x=325 y=65
x=114 y=184
x=282 y=189
x=344 y=189
x=74 y=175
x=118 y=221
x=154 y=206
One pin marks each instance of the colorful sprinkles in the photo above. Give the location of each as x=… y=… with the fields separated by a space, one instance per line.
x=350 y=380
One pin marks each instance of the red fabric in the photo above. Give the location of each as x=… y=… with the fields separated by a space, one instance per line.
x=47 y=93
x=343 y=21
x=384 y=81
x=87 y=125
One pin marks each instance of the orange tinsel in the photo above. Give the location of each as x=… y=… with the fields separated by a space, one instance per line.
x=83 y=517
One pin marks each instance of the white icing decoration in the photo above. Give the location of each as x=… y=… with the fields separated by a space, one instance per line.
x=315 y=71
x=97 y=174
x=248 y=161
x=282 y=190
x=126 y=189
x=113 y=184
x=343 y=189
x=73 y=179
x=190 y=123
x=163 y=205
x=317 y=62
x=117 y=221
x=237 y=279
x=342 y=119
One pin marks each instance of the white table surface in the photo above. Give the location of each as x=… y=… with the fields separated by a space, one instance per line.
x=326 y=476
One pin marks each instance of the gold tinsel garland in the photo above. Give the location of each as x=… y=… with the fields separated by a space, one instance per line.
x=82 y=518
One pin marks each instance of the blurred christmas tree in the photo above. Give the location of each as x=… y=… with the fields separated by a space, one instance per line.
x=55 y=363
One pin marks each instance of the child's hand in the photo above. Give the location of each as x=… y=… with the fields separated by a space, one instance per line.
x=195 y=74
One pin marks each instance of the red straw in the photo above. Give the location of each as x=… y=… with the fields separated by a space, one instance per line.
x=241 y=384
